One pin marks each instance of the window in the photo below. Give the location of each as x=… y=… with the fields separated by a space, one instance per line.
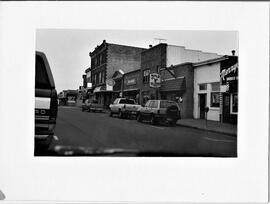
x=42 y=79
x=166 y=104
x=99 y=77
x=234 y=103
x=215 y=99
x=147 y=104
x=146 y=75
x=98 y=60
x=126 y=101
x=215 y=88
x=202 y=87
x=154 y=104
x=96 y=75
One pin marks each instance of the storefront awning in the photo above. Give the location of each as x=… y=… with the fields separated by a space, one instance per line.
x=178 y=84
x=102 y=89
x=126 y=90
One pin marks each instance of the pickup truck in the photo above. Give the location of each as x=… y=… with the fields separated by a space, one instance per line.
x=46 y=105
x=92 y=105
x=124 y=107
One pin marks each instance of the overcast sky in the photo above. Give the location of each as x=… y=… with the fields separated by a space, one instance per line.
x=68 y=50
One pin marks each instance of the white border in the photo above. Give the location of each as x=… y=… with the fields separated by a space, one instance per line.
x=23 y=177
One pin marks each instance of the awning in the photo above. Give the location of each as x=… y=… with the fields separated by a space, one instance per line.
x=178 y=84
x=102 y=89
x=126 y=90
x=97 y=89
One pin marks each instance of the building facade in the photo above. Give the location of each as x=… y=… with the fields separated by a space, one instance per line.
x=177 y=85
x=216 y=87
x=106 y=59
x=163 y=56
x=229 y=89
x=131 y=82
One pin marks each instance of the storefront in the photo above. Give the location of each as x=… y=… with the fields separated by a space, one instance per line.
x=229 y=90
x=104 y=95
x=207 y=89
x=131 y=85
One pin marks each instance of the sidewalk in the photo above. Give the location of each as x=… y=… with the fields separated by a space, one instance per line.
x=212 y=126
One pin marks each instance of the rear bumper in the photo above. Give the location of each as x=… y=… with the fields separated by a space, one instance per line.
x=130 y=112
x=167 y=118
x=44 y=131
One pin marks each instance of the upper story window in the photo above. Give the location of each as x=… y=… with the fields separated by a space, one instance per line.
x=202 y=87
x=146 y=75
x=215 y=86
x=103 y=58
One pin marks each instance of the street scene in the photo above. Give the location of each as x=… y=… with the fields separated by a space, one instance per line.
x=160 y=99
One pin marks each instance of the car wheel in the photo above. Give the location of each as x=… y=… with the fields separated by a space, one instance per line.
x=173 y=123
x=110 y=113
x=139 y=118
x=153 y=120
x=121 y=115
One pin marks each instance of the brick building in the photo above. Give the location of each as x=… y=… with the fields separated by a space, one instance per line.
x=163 y=56
x=106 y=59
x=179 y=86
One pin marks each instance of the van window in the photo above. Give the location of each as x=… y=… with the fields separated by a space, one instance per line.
x=42 y=79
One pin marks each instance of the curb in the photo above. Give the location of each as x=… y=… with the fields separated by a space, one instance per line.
x=215 y=131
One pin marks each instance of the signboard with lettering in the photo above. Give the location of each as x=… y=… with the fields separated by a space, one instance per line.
x=155 y=80
x=229 y=74
x=131 y=81
x=110 y=82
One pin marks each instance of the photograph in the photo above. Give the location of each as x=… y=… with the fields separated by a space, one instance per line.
x=138 y=93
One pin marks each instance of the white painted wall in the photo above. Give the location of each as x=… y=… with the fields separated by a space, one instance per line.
x=179 y=54
x=205 y=74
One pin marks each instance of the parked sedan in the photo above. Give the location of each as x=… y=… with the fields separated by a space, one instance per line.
x=92 y=105
x=159 y=111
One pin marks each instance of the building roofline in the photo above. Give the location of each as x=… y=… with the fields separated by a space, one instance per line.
x=137 y=70
x=211 y=61
x=88 y=69
x=126 y=46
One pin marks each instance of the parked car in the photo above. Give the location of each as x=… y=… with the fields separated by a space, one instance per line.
x=46 y=103
x=159 y=111
x=92 y=105
x=124 y=107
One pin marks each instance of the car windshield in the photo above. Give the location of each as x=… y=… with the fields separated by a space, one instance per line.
x=166 y=104
x=126 y=101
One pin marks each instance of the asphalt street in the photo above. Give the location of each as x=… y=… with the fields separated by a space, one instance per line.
x=98 y=130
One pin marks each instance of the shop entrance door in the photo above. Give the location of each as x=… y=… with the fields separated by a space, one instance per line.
x=202 y=105
x=226 y=108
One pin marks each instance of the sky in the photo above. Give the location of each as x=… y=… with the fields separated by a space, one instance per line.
x=68 y=50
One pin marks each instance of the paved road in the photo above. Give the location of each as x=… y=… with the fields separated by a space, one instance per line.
x=78 y=128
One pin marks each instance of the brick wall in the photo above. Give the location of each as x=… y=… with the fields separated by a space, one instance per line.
x=186 y=71
x=132 y=80
x=153 y=59
x=122 y=57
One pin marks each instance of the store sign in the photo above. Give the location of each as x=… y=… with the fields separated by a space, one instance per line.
x=131 y=81
x=155 y=80
x=110 y=82
x=229 y=71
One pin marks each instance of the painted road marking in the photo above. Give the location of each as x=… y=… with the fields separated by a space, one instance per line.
x=216 y=140
x=55 y=138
